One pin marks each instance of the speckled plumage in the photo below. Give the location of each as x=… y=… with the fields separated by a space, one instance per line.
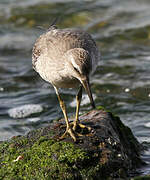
x=65 y=58
x=54 y=49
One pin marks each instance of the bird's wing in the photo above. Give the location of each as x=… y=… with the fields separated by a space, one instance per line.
x=56 y=42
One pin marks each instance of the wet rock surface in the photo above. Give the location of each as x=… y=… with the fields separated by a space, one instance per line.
x=108 y=150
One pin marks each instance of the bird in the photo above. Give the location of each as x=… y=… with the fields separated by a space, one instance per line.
x=66 y=58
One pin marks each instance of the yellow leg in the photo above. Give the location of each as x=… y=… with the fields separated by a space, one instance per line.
x=63 y=107
x=76 y=122
x=78 y=99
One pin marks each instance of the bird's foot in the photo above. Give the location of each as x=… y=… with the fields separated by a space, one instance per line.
x=70 y=132
x=81 y=128
x=75 y=130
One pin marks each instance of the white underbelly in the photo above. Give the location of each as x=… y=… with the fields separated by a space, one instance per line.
x=54 y=75
x=66 y=83
x=57 y=79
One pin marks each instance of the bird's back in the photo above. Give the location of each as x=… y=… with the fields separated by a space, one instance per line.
x=56 y=42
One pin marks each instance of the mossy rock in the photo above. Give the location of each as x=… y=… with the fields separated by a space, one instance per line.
x=109 y=150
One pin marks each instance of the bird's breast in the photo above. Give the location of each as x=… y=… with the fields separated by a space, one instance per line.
x=52 y=73
x=65 y=82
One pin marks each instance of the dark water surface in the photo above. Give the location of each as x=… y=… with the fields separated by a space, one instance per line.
x=121 y=82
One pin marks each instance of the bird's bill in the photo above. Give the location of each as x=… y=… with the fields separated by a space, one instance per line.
x=86 y=85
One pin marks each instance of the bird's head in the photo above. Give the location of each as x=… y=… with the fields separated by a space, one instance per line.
x=80 y=65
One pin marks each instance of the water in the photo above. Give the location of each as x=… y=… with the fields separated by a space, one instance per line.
x=121 y=82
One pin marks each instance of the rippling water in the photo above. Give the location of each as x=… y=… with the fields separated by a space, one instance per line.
x=121 y=82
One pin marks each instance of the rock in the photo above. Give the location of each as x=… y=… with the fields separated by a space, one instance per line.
x=109 y=150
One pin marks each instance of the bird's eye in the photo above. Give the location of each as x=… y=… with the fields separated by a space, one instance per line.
x=76 y=69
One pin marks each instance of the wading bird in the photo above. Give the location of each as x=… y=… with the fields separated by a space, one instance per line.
x=65 y=58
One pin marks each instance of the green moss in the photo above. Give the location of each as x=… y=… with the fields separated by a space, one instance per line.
x=3 y=146
x=102 y=108
x=141 y=178
x=45 y=158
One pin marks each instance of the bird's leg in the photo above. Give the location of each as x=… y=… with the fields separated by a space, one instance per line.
x=76 y=122
x=63 y=107
x=78 y=99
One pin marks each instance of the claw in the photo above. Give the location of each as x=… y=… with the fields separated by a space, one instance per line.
x=81 y=126
x=70 y=132
x=76 y=129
